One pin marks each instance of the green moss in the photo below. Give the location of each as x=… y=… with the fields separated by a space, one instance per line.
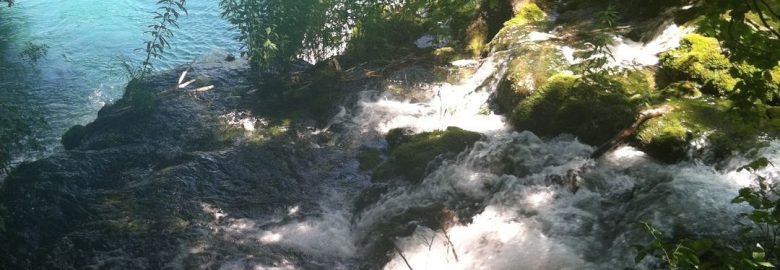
x=397 y=136
x=665 y=138
x=727 y=130
x=476 y=37
x=566 y=104
x=699 y=59
x=526 y=73
x=773 y=112
x=444 y=55
x=528 y=17
x=528 y=13
x=683 y=89
x=369 y=158
x=410 y=158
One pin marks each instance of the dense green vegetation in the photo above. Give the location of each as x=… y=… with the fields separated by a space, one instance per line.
x=276 y=32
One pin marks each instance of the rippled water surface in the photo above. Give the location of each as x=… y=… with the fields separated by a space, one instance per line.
x=87 y=41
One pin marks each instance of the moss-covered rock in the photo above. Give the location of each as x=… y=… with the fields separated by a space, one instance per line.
x=444 y=55
x=527 y=13
x=724 y=130
x=410 y=158
x=539 y=61
x=499 y=18
x=398 y=136
x=666 y=138
x=369 y=158
x=567 y=104
x=700 y=59
x=528 y=18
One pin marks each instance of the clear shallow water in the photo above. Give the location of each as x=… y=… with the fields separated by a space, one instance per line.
x=87 y=40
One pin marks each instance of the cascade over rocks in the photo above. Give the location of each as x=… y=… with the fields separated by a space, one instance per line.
x=321 y=168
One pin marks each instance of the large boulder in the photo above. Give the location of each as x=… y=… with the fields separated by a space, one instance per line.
x=706 y=128
x=410 y=156
x=567 y=104
x=700 y=59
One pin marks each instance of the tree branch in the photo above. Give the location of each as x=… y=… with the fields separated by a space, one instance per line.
x=632 y=130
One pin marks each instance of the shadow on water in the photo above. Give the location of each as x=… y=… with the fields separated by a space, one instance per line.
x=20 y=118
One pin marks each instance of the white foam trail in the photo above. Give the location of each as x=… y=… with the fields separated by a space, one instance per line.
x=464 y=105
x=629 y=53
x=626 y=53
x=530 y=223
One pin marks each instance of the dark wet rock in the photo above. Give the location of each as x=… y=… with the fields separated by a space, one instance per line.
x=142 y=189
x=72 y=138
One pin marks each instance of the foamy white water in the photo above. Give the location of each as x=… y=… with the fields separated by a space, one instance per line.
x=525 y=218
x=530 y=223
x=626 y=53
x=462 y=104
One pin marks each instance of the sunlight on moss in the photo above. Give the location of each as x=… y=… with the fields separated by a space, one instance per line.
x=699 y=58
x=528 y=13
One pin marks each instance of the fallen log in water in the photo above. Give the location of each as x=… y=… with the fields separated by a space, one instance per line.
x=631 y=131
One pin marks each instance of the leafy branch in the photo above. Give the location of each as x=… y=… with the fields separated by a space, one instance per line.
x=167 y=14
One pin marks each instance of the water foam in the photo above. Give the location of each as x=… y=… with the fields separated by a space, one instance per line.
x=461 y=104
x=529 y=222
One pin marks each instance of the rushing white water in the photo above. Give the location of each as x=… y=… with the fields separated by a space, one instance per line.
x=626 y=53
x=463 y=104
x=528 y=215
x=531 y=223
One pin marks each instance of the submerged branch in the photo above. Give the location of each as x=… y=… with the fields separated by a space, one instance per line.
x=447 y=236
x=401 y=253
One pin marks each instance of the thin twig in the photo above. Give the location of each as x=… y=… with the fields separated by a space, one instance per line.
x=764 y=21
x=771 y=11
x=447 y=236
x=401 y=253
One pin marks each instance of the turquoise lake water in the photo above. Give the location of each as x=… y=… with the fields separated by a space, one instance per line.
x=87 y=41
